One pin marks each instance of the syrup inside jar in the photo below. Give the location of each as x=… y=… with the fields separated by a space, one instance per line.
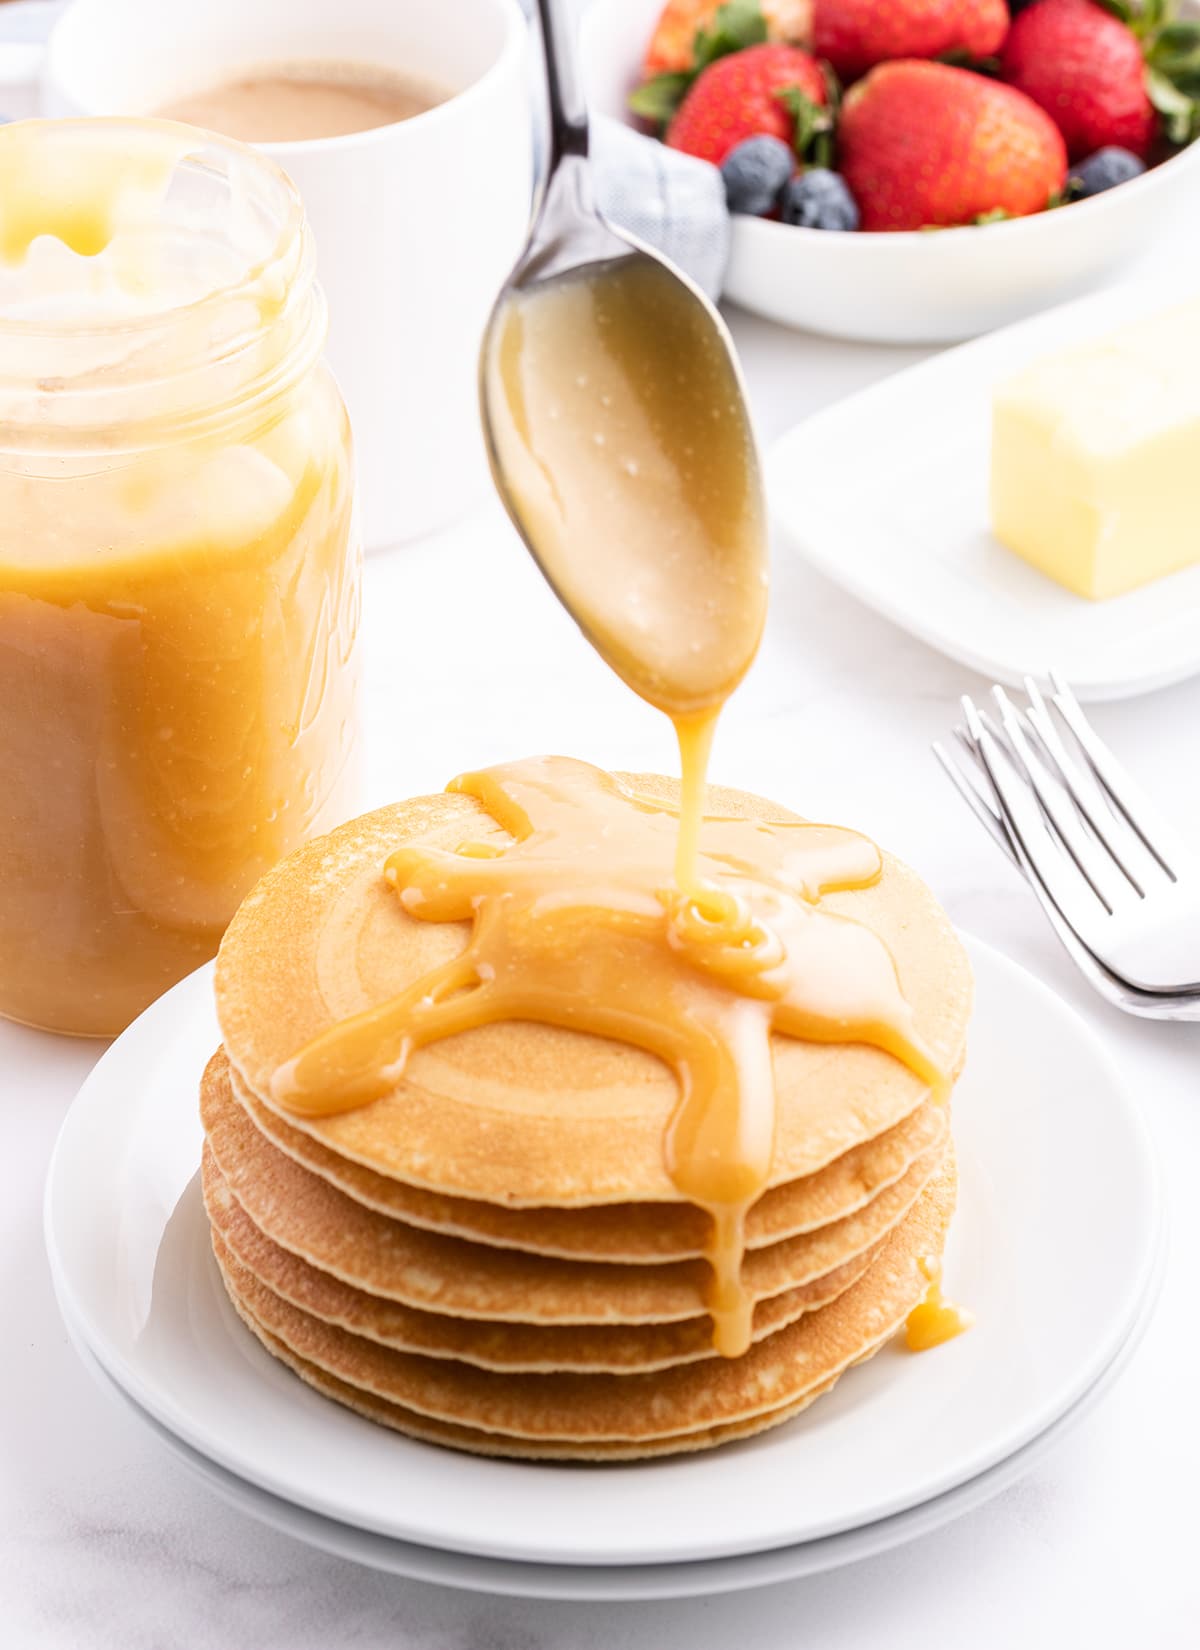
x=179 y=572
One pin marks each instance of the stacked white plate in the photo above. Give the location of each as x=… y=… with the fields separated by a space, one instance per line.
x=1055 y=1249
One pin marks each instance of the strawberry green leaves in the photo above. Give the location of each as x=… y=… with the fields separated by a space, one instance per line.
x=1173 y=77
x=816 y=123
x=1171 y=47
x=1179 y=112
x=1144 y=17
x=658 y=98
x=736 y=25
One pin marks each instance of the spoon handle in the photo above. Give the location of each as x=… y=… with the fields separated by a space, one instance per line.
x=568 y=109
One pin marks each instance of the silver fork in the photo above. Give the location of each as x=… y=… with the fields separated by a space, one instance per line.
x=1121 y=890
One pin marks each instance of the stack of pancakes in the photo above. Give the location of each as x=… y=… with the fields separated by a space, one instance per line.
x=492 y=1255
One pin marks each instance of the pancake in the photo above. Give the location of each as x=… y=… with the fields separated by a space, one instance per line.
x=521 y=1114
x=631 y=1232
x=471 y=1442
x=780 y=1371
x=614 y=1349
x=309 y=1217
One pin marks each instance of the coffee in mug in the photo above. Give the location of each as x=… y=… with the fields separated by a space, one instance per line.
x=294 y=102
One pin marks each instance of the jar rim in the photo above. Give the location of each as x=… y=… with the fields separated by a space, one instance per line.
x=239 y=315
x=189 y=145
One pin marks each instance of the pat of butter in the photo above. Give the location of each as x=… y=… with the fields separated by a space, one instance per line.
x=1096 y=456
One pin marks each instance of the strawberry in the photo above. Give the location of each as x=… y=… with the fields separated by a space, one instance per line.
x=672 y=46
x=854 y=35
x=740 y=96
x=926 y=145
x=1086 y=69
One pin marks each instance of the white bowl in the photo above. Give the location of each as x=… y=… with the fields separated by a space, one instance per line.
x=914 y=287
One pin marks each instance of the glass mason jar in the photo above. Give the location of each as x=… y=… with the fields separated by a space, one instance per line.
x=179 y=567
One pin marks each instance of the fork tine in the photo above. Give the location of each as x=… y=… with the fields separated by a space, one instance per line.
x=975 y=774
x=1092 y=861
x=1041 y=853
x=1003 y=739
x=1086 y=797
x=1003 y=764
x=1047 y=739
x=983 y=788
x=983 y=810
x=1109 y=987
x=1126 y=796
x=996 y=731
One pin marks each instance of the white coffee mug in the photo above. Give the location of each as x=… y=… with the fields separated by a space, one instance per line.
x=416 y=223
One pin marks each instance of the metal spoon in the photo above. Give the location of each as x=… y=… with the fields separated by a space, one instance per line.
x=571 y=237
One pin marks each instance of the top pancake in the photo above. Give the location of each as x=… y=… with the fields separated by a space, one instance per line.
x=521 y=1114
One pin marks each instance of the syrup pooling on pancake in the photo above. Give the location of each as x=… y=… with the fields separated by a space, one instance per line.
x=576 y=922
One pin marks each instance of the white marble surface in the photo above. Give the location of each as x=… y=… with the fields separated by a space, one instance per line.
x=104 y=1542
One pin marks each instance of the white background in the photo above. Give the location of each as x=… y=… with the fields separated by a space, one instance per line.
x=104 y=1542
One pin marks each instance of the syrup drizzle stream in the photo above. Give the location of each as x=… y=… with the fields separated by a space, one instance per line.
x=576 y=922
x=624 y=448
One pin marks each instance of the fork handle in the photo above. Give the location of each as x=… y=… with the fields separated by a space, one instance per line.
x=568 y=108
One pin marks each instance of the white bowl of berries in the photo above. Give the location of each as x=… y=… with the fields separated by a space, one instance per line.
x=916 y=171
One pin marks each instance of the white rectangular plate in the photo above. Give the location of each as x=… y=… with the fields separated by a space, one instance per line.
x=886 y=493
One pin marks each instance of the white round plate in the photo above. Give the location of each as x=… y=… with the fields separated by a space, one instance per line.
x=1052 y=1260
x=612 y=1583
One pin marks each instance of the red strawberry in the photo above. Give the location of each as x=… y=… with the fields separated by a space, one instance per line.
x=1085 y=68
x=854 y=35
x=740 y=96
x=672 y=46
x=925 y=145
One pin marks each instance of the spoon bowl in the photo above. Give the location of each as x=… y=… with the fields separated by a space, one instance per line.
x=614 y=415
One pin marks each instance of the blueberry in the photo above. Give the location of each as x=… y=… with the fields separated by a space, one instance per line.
x=1104 y=170
x=819 y=199
x=754 y=171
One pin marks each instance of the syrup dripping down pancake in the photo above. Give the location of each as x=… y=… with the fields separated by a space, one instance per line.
x=646 y=1233
x=590 y=1411
x=515 y=1348
x=307 y=1216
